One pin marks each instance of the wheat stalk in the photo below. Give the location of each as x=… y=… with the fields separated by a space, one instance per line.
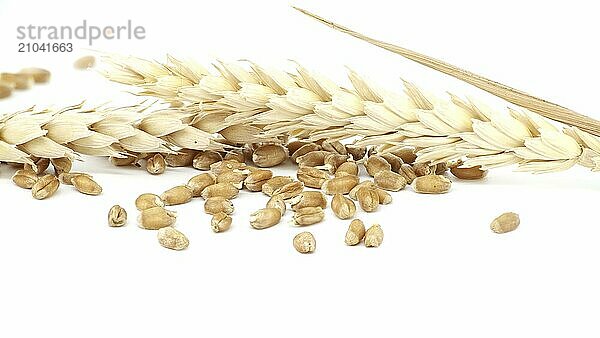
x=116 y=132
x=274 y=103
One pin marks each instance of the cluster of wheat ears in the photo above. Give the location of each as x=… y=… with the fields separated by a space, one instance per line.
x=242 y=102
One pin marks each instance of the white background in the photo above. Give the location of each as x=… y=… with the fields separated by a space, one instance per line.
x=440 y=270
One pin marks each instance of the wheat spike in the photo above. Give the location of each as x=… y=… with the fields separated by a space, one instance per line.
x=260 y=103
x=116 y=132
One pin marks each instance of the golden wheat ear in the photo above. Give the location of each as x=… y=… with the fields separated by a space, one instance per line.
x=545 y=108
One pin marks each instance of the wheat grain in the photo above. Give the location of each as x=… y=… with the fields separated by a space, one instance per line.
x=172 y=238
x=117 y=216
x=304 y=242
x=356 y=232
x=374 y=236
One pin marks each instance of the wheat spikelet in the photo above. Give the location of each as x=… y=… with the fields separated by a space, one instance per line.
x=260 y=103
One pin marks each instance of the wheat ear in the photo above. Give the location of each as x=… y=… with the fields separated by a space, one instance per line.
x=116 y=132
x=307 y=105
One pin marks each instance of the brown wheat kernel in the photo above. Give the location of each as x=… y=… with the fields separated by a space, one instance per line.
x=304 y=242
x=5 y=90
x=394 y=161
x=85 y=62
x=352 y=193
x=473 y=173
x=375 y=164
x=45 y=187
x=342 y=206
x=86 y=185
x=368 y=199
x=347 y=168
x=227 y=190
x=374 y=236
x=312 y=177
x=257 y=178
x=39 y=75
x=289 y=190
x=334 y=147
x=177 y=195
x=66 y=178
x=25 y=178
x=406 y=170
x=292 y=146
x=431 y=184
x=407 y=155
x=308 y=215
x=269 y=155
x=305 y=149
x=183 y=158
x=441 y=168
x=227 y=165
x=40 y=165
x=357 y=153
x=205 y=159
x=248 y=150
x=124 y=161
x=172 y=238
x=506 y=222
x=215 y=205
x=312 y=159
x=384 y=196
x=61 y=165
x=333 y=161
x=147 y=201
x=155 y=218
x=19 y=81
x=117 y=216
x=235 y=177
x=309 y=199
x=340 y=185
x=278 y=203
x=421 y=169
x=235 y=155
x=265 y=218
x=199 y=182
x=356 y=232
x=156 y=164
x=220 y=222
x=275 y=183
x=389 y=180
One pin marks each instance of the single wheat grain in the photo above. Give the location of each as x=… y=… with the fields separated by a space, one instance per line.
x=117 y=216
x=304 y=242
x=172 y=238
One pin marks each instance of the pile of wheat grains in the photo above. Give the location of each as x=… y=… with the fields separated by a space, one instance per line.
x=328 y=174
